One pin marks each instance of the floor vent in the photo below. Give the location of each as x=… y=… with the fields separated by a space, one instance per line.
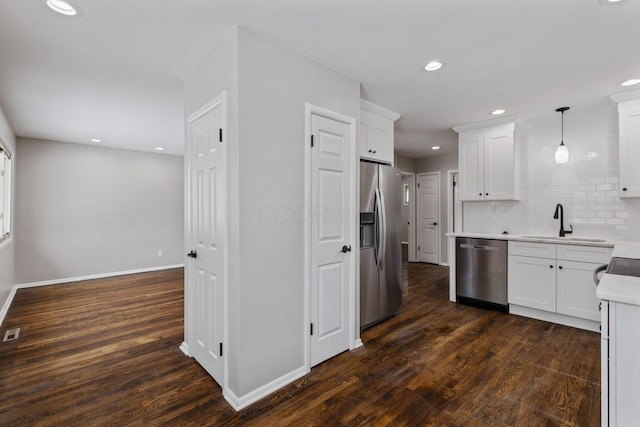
x=11 y=334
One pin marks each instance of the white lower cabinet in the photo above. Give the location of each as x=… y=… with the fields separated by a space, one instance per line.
x=576 y=292
x=556 y=279
x=621 y=376
x=532 y=282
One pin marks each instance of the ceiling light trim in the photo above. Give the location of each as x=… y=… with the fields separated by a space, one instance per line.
x=434 y=65
x=630 y=82
x=64 y=7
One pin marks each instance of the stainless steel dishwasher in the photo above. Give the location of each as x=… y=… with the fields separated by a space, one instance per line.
x=481 y=272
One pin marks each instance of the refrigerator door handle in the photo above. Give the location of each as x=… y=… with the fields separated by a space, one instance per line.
x=383 y=245
x=379 y=230
x=376 y=239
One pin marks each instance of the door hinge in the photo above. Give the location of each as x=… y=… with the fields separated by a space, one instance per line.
x=311 y=329
x=418 y=185
x=220 y=134
x=311 y=141
x=418 y=247
x=220 y=349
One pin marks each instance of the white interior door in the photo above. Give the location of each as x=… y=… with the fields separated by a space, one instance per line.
x=205 y=266
x=330 y=234
x=428 y=217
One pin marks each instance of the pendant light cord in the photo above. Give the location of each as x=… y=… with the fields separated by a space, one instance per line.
x=562 y=127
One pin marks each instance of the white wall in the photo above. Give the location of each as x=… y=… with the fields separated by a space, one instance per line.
x=268 y=87
x=587 y=186
x=274 y=85
x=440 y=164
x=83 y=210
x=405 y=164
x=7 y=253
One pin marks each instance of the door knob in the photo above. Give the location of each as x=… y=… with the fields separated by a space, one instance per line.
x=346 y=249
x=435 y=223
x=193 y=254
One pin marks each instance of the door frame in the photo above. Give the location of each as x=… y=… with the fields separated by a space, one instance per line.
x=412 y=216
x=439 y=212
x=450 y=202
x=221 y=98
x=354 y=310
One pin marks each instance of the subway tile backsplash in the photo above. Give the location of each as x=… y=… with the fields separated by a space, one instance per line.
x=587 y=186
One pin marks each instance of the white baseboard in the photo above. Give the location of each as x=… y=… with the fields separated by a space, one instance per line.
x=444 y=264
x=7 y=303
x=184 y=348
x=547 y=316
x=358 y=343
x=405 y=243
x=238 y=403
x=96 y=276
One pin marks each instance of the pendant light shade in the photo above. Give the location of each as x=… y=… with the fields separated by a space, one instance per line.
x=562 y=152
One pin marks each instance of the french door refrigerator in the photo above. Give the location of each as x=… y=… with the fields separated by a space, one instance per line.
x=380 y=250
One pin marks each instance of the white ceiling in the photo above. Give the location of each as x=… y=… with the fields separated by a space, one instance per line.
x=116 y=72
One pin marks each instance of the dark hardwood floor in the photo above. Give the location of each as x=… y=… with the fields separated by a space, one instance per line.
x=105 y=352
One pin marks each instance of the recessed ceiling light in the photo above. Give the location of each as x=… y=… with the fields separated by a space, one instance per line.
x=630 y=82
x=497 y=112
x=609 y=2
x=96 y=140
x=160 y=148
x=433 y=66
x=62 y=7
x=435 y=148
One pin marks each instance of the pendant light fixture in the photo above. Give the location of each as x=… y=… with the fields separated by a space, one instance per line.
x=562 y=152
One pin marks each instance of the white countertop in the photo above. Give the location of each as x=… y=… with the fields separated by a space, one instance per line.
x=569 y=240
x=612 y=287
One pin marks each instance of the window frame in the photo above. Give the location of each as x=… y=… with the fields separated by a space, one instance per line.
x=6 y=195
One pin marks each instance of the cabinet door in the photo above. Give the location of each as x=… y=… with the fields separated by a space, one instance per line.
x=471 y=165
x=499 y=164
x=624 y=374
x=377 y=137
x=532 y=282
x=629 y=185
x=576 y=290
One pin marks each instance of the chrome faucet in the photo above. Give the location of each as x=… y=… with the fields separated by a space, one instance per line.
x=555 y=216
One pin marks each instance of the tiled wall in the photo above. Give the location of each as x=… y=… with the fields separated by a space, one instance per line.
x=587 y=186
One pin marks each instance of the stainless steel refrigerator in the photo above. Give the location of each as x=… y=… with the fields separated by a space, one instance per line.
x=380 y=250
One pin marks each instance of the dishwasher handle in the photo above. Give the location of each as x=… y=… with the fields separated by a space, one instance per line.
x=479 y=247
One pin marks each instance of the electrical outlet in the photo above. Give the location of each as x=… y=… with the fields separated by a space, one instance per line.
x=160 y=253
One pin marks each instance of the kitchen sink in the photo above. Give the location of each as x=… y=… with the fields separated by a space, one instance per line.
x=567 y=239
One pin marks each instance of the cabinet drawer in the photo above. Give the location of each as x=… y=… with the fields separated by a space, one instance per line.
x=538 y=250
x=584 y=253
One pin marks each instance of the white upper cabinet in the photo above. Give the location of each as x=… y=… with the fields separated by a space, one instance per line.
x=629 y=122
x=488 y=162
x=376 y=132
